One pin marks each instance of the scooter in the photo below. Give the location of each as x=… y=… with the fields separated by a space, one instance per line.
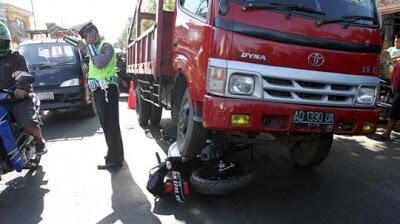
x=17 y=147
x=210 y=173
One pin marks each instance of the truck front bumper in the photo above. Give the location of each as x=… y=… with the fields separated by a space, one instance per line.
x=278 y=117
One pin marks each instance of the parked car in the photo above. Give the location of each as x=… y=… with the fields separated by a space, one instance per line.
x=60 y=75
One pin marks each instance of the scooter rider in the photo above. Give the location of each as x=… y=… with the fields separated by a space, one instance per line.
x=13 y=65
x=103 y=82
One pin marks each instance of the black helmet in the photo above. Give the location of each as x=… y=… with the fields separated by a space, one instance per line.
x=5 y=39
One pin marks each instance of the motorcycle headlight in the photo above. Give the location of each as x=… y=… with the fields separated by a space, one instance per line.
x=70 y=82
x=241 y=84
x=216 y=80
x=366 y=95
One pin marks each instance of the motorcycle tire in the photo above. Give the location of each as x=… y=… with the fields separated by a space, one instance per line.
x=202 y=181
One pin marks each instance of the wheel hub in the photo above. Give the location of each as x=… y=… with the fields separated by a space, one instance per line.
x=184 y=114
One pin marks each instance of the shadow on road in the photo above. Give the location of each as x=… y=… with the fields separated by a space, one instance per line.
x=164 y=133
x=69 y=125
x=23 y=199
x=129 y=203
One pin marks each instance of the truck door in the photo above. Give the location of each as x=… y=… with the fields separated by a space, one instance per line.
x=191 y=42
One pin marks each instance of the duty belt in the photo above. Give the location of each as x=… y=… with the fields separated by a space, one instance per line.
x=94 y=84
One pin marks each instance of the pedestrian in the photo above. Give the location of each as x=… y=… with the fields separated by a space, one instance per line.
x=395 y=50
x=103 y=83
x=394 y=113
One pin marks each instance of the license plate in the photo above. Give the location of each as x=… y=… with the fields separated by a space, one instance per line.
x=314 y=119
x=178 y=188
x=45 y=96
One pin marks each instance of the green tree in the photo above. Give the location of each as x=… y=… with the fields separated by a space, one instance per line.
x=151 y=8
x=122 y=41
x=148 y=6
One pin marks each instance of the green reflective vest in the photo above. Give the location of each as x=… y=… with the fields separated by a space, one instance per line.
x=108 y=73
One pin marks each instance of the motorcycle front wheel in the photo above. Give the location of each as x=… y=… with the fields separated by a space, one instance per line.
x=206 y=180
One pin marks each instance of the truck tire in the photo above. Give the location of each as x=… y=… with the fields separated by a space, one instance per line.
x=191 y=135
x=156 y=113
x=143 y=108
x=311 y=153
x=204 y=182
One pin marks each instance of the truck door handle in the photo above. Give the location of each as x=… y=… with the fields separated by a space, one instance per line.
x=175 y=44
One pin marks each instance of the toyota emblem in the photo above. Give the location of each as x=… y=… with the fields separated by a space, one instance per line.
x=316 y=59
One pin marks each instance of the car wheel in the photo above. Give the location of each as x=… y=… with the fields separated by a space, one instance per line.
x=90 y=110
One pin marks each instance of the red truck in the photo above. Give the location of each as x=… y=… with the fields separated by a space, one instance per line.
x=295 y=71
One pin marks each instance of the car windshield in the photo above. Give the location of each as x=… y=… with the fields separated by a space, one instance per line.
x=49 y=54
x=329 y=9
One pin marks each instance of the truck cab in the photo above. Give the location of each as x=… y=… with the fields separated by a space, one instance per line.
x=299 y=71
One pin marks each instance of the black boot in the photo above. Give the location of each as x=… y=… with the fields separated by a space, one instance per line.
x=41 y=149
x=110 y=165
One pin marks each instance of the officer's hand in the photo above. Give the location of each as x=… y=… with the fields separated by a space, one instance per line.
x=20 y=94
x=82 y=47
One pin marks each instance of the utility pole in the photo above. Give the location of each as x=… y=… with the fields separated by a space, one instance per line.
x=33 y=13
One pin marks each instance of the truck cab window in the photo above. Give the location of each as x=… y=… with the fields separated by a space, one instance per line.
x=198 y=7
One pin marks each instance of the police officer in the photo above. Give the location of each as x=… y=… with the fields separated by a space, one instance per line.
x=13 y=65
x=103 y=83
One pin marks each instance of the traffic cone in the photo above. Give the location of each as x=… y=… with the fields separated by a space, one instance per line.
x=131 y=98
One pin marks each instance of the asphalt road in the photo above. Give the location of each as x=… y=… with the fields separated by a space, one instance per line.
x=358 y=183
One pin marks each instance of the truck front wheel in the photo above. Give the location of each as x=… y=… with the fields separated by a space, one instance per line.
x=311 y=153
x=143 y=108
x=191 y=135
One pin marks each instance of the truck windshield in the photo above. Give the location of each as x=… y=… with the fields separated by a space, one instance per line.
x=49 y=54
x=361 y=12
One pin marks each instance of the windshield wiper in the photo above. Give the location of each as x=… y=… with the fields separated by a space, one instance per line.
x=281 y=6
x=346 y=19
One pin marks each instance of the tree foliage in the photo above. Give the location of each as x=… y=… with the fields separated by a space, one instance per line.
x=122 y=41
x=148 y=6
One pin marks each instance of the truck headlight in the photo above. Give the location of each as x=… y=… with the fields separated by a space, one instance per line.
x=70 y=82
x=241 y=84
x=216 y=80
x=366 y=95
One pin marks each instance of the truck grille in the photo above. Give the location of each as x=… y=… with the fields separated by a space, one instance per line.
x=307 y=92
